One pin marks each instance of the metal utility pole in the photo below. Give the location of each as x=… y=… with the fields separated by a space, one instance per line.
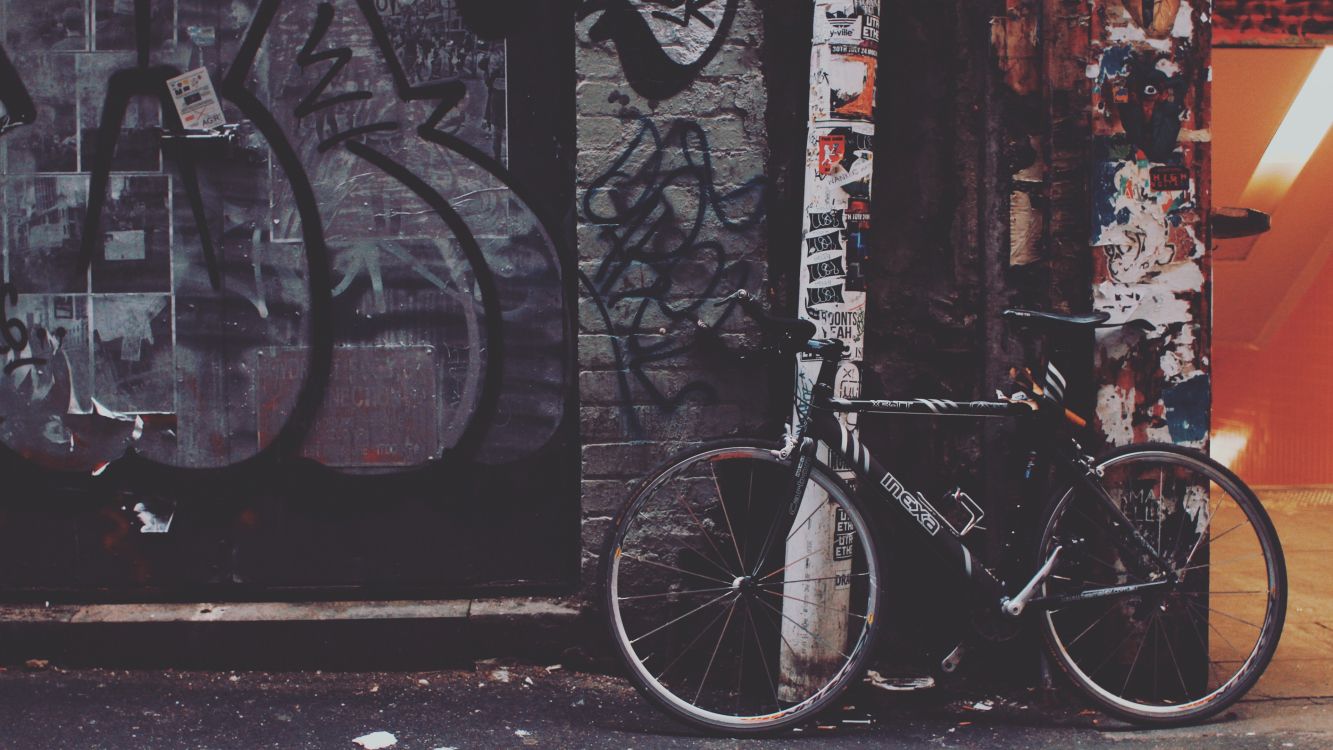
x=834 y=243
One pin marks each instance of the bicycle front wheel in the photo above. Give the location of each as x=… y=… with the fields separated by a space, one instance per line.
x=734 y=607
x=1142 y=646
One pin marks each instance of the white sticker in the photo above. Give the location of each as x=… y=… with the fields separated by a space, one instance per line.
x=196 y=102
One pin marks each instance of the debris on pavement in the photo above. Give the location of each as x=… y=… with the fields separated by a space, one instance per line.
x=36 y=664
x=982 y=705
x=899 y=683
x=376 y=740
x=555 y=667
x=522 y=733
x=500 y=675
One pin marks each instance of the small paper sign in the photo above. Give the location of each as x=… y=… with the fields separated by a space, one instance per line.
x=196 y=102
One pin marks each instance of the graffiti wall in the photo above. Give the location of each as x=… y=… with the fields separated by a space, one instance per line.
x=673 y=150
x=1149 y=218
x=288 y=277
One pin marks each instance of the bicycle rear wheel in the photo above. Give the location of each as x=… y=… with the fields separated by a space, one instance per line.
x=733 y=610
x=1163 y=653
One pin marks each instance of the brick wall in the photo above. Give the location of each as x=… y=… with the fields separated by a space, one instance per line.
x=672 y=147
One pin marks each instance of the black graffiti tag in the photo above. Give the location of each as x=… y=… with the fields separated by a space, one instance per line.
x=14 y=332
x=648 y=68
x=656 y=262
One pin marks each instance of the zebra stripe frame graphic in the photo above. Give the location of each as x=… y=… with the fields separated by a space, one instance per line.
x=914 y=503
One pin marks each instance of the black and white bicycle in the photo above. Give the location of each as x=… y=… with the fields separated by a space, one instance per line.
x=743 y=578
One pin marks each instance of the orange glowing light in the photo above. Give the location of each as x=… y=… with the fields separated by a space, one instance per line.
x=1305 y=125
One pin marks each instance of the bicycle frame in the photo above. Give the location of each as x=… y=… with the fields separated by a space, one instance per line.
x=820 y=424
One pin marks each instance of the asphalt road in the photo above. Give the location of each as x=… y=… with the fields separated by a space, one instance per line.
x=528 y=706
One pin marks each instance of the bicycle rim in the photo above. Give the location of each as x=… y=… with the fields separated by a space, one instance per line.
x=1172 y=653
x=733 y=612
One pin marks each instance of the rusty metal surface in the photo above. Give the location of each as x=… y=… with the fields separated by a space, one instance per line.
x=364 y=422
x=1273 y=23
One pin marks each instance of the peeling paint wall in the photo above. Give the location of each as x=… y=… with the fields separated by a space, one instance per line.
x=1150 y=199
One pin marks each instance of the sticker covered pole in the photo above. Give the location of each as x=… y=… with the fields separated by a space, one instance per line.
x=834 y=243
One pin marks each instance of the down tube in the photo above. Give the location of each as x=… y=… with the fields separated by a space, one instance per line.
x=912 y=507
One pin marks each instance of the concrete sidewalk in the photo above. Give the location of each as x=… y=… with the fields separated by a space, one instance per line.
x=499 y=706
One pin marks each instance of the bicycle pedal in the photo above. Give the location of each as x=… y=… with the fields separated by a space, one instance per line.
x=951 y=662
x=898 y=683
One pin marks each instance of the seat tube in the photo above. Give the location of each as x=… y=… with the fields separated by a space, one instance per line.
x=822 y=391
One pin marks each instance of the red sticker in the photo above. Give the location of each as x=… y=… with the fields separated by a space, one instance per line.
x=1168 y=179
x=832 y=149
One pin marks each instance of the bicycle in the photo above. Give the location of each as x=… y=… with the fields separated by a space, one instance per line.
x=1159 y=582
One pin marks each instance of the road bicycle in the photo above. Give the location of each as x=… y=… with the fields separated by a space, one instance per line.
x=742 y=578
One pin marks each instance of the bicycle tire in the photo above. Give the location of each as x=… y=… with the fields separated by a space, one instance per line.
x=666 y=568
x=1231 y=588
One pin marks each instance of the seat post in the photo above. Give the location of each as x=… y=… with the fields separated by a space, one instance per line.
x=822 y=391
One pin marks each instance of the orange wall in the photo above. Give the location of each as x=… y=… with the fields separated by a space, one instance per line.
x=1283 y=394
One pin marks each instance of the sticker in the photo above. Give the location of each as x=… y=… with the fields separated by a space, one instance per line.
x=824 y=295
x=832 y=149
x=826 y=220
x=204 y=36
x=195 y=100
x=844 y=535
x=826 y=269
x=1167 y=179
x=824 y=243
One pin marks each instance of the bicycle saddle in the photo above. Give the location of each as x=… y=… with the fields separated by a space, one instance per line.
x=1094 y=319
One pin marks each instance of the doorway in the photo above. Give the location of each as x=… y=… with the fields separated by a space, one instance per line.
x=1273 y=325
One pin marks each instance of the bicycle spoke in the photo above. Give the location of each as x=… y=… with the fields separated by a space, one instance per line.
x=712 y=469
x=1201 y=538
x=646 y=561
x=1114 y=606
x=768 y=539
x=637 y=597
x=1213 y=627
x=815 y=604
x=797 y=527
x=1214 y=563
x=1137 y=653
x=777 y=625
x=759 y=646
x=802 y=558
x=804 y=580
x=702 y=632
x=816 y=638
x=678 y=619
x=697 y=553
x=1184 y=689
x=720 y=637
x=740 y=668
x=749 y=513
x=1111 y=654
x=707 y=537
x=1233 y=617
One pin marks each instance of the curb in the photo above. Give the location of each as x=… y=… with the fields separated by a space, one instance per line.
x=359 y=635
